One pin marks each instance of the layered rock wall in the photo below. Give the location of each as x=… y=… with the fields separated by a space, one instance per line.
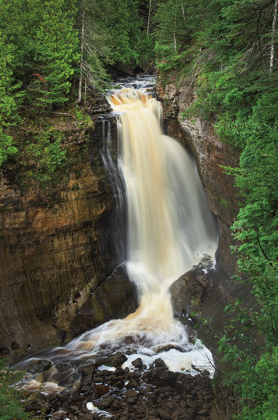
x=54 y=254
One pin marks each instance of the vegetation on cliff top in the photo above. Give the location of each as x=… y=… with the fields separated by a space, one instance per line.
x=52 y=51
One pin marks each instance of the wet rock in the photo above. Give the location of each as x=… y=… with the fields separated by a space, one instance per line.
x=163 y=414
x=131 y=394
x=159 y=363
x=168 y=375
x=89 y=370
x=115 y=360
x=39 y=366
x=87 y=380
x=106 y=402
x=101 y=390
x=167 y=389
x=86 y=388
x=184 y=291
x=147 y=375
x=102 y=373
x=106 y=303
x=119 y=372
x=132 y=375
x=63 y=367
x=115 y=404
x=133 y=383
x=137 y=363
x=86 y=417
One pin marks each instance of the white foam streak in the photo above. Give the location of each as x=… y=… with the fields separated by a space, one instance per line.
x=199 y=357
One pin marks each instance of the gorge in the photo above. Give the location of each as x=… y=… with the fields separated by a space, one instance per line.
x=169 y=229
x=107 y=290
x=162 y=245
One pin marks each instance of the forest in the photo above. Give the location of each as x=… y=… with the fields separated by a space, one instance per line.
x=57 y=52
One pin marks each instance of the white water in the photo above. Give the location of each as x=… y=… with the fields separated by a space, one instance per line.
x=170 y=228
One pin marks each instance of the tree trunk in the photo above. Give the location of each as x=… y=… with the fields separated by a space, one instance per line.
x=183 y=14
x=175 y=24
x=272 y=46
x=81 y=58
x=149 y=17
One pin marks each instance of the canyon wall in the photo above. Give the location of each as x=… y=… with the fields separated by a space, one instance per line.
x=217 y=289
x=56 y=253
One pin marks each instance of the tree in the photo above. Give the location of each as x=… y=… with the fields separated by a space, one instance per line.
x=94 y=46
x=272 y=48
x=8 y=95
x=56 y=54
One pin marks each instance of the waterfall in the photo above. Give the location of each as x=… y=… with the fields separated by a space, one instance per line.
x=170 y=225
x=115 y=179
x=169 y=229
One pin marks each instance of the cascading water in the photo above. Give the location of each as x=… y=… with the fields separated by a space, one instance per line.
x=115 y=179
x=170 y=228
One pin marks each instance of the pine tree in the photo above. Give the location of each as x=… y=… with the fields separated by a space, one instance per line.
x=94 y=46
x=56 y=54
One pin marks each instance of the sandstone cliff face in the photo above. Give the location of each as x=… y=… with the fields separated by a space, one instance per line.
x=54 y=256
x=210 y=154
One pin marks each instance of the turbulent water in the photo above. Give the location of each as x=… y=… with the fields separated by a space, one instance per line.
x=170 y=228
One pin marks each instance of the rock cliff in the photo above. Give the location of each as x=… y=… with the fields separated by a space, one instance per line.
x=211 y=156
x=55 y=253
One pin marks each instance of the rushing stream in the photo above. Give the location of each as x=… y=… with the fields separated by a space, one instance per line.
x=169 y=229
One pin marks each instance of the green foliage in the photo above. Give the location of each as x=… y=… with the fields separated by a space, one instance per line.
x=254 y=369
x=45 y=159
x=44 y=45
x=55 y=54
x=10 y=406
x=256 y=234
x=8 y=97
x=128 y=39
x=6 y=147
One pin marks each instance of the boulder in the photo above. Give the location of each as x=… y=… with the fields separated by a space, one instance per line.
x=115 y=298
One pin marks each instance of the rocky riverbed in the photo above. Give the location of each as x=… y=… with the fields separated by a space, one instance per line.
x=107 y=390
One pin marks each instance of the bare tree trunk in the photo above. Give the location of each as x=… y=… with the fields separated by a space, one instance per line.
x=175 y=40
x=183 y=14
x=149 y=17
x=81 y=58
x=272 y=49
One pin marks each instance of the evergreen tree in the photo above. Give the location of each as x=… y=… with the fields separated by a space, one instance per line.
x=8 y=96
x=122 y=22
x=55 y=53
x=94 y=46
